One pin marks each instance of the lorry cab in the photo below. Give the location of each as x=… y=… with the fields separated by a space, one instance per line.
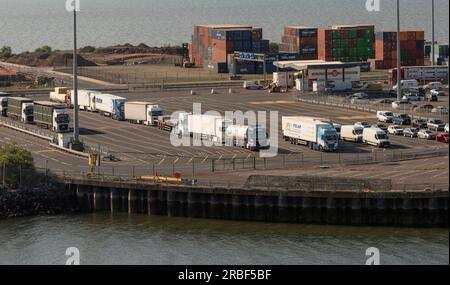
x=327 y=138
x=338 y=128
x=27 y=113
x=153 y=113
x=3 y=106
x=352 y=133
x=257 y=138
x=376 y=137
x=61 y=120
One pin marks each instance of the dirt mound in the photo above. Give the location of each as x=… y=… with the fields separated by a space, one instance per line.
x=43 y=59
x=139 y=49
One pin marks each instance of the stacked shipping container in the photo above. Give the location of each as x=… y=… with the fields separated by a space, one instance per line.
x=411 y=49
x=301 y=40
x=212 y=43
x=347 y=43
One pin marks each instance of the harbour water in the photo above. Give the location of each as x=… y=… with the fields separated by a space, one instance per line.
x=28 y=24
x=139 y=239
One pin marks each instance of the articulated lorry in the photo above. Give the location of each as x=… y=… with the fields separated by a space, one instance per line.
x=86 y=99
x=318 y=134
x=51 y=115
x=143 y=113
x=110 y=105
x=61 y=95
x=253 y=138
x=21 y=109
x=4 y=103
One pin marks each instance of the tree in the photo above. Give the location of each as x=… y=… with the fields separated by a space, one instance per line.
x=5 y=52
x=44 y=49
x=19 y=164
x=273 y=48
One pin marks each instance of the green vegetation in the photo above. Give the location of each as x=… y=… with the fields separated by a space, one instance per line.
x=44 y=49
x=5 y=52
x=18 y=163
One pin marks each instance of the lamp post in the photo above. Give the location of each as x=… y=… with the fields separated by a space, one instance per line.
x=432 y=34
x=399 y=80
x=76 y=133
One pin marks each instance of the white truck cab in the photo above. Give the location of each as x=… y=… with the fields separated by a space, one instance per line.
x=153 y=113
x=61 y=120
x=3 y=106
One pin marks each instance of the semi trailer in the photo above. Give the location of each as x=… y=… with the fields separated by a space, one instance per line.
x=110 y=105
x=61 y=95
x=86 y=99
x=253 y=138
x=21 y=109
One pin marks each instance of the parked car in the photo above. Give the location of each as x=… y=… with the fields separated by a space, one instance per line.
x=380 y=126
x=440 y=110
x=442 y=138
x=252 y=85
x=446 y=129
x=426 y=135
x=437 y=92
x=385 y=116
x=402 y=119
x=411 y=132
x=430 y=97
x=403 y=105
x=362 y=124
x=395 y=130
x=359 y=101
x=359 y=95
x=426 y=107
x=433 y=85
x=436 y=125
x=383 y=102
x=419 y=123
x=412 y=96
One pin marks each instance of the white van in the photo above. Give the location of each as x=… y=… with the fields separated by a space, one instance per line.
x=352 y=133
x=376 y=137
x=434 y=85
x=410 y=83
x=385 y=116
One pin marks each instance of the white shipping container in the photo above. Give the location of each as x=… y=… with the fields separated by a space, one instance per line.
x=303 y=128
x=85 y=99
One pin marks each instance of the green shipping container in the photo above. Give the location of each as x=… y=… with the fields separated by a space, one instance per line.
x=352 y=34
x=369 y=33
x=344 y=43
x=336 y=34
x=404 y=55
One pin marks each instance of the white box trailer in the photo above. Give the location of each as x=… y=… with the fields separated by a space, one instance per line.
x=207 y=127
x=86 y=99
x=253 y=138
x=61 y=95
x=316 y=133
x=142 y=112
x=110 y=105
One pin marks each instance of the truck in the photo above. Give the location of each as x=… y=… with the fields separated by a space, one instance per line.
x=376 y=137
x=52 y=116
x=4 y=103
x=339 y=85
x=142 y=113
x=20 y=108
x=61 y=95
x=86 y=99
x=318 y=134
x=421 y=73
x=352 y=133
x=253 y=138
x=110 y=105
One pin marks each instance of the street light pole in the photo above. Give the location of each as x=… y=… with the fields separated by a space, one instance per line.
x=399 y=80
x=432 y=34
x=76 y=133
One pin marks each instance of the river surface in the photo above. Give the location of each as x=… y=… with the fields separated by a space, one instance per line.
x=28 y=24
x=139 y=239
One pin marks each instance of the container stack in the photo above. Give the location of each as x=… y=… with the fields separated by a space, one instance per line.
x=347 y=43
x=412 y=49
x=301 y=40
x=211 y=44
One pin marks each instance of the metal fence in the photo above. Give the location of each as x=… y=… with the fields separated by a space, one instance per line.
x=365 y=105
x=19 y=178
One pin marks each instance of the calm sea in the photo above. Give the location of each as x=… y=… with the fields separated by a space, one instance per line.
x=28 y=24
x=139 y=239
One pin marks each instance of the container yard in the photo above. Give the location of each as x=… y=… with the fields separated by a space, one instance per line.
x=347 y=43
x=412 y=49
x=301 y=40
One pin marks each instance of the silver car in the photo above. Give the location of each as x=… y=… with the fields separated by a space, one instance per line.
x=426 y=135
x=395 y=130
